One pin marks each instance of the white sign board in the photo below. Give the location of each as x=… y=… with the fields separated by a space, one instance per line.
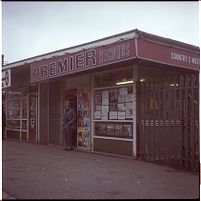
x=6 y=78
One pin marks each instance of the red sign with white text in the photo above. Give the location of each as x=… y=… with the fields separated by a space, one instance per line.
x=167 y=54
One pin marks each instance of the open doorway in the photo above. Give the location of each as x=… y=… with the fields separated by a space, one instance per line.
x=71 y=94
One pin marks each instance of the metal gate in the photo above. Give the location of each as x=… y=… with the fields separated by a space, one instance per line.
x=168 y=120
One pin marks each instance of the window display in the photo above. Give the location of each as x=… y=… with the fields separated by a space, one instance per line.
x=113 y=107
x=13 y=111
x=83 y=117
x=17 y=112
x=117 y=129
x=113 y=104
x=111 y=78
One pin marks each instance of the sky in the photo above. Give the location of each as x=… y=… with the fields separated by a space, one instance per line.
x=33 y=28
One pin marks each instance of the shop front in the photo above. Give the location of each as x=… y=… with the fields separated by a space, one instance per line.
x=135 y=94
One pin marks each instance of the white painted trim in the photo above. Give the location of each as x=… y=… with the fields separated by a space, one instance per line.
x=38 y=114
x=113 y=138
x=92 y=112
x=20 y=116
x=28 y=118
x=135 y=78
x=113 y=120
x=48 y=118
x=136 y=48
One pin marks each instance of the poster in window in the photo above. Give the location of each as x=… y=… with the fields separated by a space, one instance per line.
x=86 y=132
x=113 y=106
x=98 y=107
x=97 y=115
x=110 y=129
x=123 y=90
x=86 y=142
x=122 y=98
x=113 y=115
x=97 y=128
x=98 y=99
x=105 y=110
x=121 y=115
x=86 y=105
x=80 y=136
x=86 y=122
x=86 y=113
x=105 y=94
x=129 y=98
x=103 y=128
x=113 y=94
x=118 y=129
x=128 y=132
x=80 y=118
x=105 y=101
x=129 y=110
x=83 y=116
x=121 y=107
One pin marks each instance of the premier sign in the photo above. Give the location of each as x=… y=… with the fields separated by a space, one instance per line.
x=82 y=60
x=65 y=65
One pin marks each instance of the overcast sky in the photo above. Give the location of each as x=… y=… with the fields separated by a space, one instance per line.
x=33 y=28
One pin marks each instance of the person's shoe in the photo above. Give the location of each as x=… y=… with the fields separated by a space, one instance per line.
x=70 y=149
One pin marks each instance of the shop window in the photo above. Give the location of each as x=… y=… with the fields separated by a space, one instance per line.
x=113 y=104
x=16 y=113
x=113 y=77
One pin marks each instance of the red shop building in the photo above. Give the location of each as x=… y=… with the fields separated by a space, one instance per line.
x=136 y=94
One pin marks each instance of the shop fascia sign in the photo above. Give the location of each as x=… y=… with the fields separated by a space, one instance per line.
x=82 y=60
x=6 y=78
x=175 y=56
x=184 y=58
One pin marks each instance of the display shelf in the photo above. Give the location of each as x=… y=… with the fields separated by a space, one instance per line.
x=116 y=121
x=113 y=138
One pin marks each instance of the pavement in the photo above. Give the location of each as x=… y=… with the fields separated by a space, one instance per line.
x=32 y=171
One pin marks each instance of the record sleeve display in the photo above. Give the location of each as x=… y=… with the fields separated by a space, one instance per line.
x=122 y=130
x=83 y=116
x=119 y=130
x=110 y=129
x=128 y=131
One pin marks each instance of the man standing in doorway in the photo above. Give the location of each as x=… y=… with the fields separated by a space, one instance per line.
x=69 y=122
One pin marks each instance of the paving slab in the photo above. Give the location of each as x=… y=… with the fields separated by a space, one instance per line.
x=33 y=171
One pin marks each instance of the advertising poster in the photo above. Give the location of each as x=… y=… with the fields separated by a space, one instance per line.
x=129 y=110
x=128 y=131
x=83 y=116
